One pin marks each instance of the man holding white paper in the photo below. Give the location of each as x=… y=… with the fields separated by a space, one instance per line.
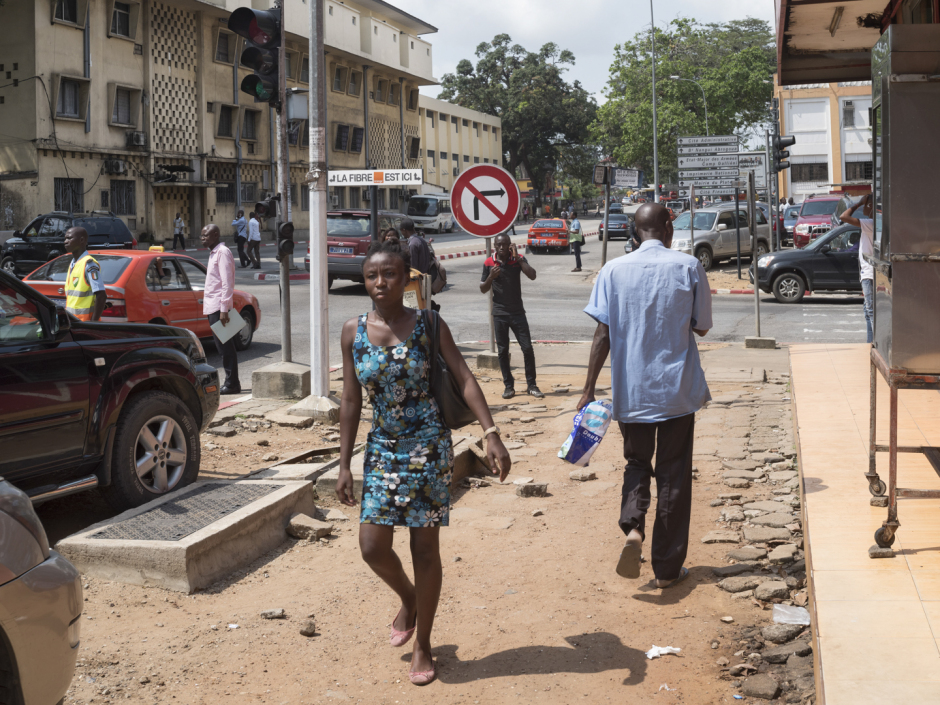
x=217 y=301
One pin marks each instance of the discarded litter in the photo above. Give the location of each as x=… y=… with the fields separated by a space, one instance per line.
x=790 y=614
x=739 y=697
x=658 y=651
x=590 y=425
x=666 y=687
x=233 y=626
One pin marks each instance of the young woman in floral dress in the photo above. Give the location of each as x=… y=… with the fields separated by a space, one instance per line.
x=409 y=454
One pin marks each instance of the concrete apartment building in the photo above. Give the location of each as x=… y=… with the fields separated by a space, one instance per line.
x=107 y=105
x=454 y=139
x=832 y=126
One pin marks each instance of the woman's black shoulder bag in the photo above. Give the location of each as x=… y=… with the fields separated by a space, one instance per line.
x=454 y=409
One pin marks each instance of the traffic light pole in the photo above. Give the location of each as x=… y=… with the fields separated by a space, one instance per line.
x=283 y=177
x=606 y=217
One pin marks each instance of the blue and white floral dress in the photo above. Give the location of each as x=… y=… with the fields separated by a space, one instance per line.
x=409 y=454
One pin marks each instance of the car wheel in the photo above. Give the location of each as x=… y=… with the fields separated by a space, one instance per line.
x=8 y=266
x=156 y=450
x=329 y=282
x=761 y=249
x=789 y=288
x=704 y=256
x=244 y=336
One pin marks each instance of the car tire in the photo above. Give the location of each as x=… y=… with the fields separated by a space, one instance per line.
x=789 y=288
x=705 y=257
x=163 y=421
x=761 y=249
x=244 y=336
x=329 y=282
x=8 y=265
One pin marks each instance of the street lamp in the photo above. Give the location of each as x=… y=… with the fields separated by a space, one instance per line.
x=655 y=143
x=678 y=78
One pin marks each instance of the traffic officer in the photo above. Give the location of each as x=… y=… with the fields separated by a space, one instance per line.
x=84 y=292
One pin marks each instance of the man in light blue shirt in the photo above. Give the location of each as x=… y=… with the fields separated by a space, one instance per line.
x=241 y=237
x=649 y=305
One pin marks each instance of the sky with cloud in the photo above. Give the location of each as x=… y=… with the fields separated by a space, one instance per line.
x=589 y=28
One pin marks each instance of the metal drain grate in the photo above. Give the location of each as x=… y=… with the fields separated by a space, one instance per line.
x=179 y=518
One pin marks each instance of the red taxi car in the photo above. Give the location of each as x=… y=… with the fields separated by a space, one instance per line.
x=150 y=287
x=547 y=235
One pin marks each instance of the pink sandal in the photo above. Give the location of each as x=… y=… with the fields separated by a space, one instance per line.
x=401 y=638
x=423 y=677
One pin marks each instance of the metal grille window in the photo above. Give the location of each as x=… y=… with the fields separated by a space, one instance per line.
x=380 y=199
x=293 y=195
x=339 y=78
x=393 y=199
x=305 y=70
x=250 y=125
x=354 y=197
x=69 y=92
x=858 y=171
x=818 y=173
x=225 y=192
x=222 y=49
x=431 y=158
x=106 y=200
x=123 y=197
x=358 y=134
x=381 y=91
x=121 y=19
x=249 y=192
x=413 y=148
x=304 y=197
x=66 y=10
x=122 y=107
x=69 y=195
x=413 y=100
x=394 y=94
x=225 y=121
x=342 y=138
x=355 y=83
x=848 y=114
x=293 y=132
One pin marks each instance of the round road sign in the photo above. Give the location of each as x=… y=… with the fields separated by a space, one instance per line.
x=485 y=200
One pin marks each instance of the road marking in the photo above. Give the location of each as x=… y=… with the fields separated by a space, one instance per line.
x=807 y=330
x=863 y=330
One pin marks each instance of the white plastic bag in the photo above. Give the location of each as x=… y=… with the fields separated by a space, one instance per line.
x=590 y=425
x=658 y=651
x=790 y=614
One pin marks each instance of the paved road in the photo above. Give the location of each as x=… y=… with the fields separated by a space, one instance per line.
x=554 y=303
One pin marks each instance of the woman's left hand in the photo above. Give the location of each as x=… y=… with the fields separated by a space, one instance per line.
x=496 y=453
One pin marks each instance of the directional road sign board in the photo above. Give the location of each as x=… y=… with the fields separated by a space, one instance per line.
x=708 y=174
x=705 y=183
x=705 y=162
x=708 y=191
x=753 y=162
x=708 y=149
x=709 y=139
x=485 y=200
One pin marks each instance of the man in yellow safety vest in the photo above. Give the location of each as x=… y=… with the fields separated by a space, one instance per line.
x=85 y=296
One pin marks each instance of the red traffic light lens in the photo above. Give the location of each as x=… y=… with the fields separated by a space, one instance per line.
x=256 y=34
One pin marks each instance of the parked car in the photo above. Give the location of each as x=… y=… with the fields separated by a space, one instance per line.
x=815 y=219
x=790 y=216
x=715 y=233
x=547 y=235
x=348 y=236
x=151 y=287
x=40 y=607
x=44 y=239
x=619 y=226
x=829 y=263
x=118 y=406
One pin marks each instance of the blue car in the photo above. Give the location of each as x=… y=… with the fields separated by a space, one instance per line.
x=789 y=222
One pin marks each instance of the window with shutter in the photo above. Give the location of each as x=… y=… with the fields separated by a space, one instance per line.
x=225 y=121
x=121 y=19
x=66 y=10
x=69 y=92
x=222 y=52
x=122 y=107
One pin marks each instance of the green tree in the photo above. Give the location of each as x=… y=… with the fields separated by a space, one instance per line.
x=545 y=119
x=731 y=61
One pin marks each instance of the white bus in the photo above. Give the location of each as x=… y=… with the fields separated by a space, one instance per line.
x=431 y=212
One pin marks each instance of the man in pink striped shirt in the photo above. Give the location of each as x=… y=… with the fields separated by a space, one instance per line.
x=217 y=301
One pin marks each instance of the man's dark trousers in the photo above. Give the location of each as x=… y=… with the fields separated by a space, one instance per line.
x=181 y=239
x=242 y=257
x=228 y=354
x=672 y=443
x=519 y=326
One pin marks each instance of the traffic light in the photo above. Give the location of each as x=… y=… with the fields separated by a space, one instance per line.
x=268 y=207
x=285 y=239
x=781 y=142
x=262 y=30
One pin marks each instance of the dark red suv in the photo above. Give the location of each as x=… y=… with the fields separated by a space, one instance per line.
x=348 y=234
x=815 y=219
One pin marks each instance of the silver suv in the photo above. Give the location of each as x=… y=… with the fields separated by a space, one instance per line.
x=715 y=234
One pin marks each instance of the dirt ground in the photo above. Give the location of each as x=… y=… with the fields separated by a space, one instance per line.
x=725 y=276
x=531 y=609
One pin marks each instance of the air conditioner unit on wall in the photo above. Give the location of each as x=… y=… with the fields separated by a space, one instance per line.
x=114 y=166
x=366 y=194
x=136 y=139
x=334 y=200
x=456 y=171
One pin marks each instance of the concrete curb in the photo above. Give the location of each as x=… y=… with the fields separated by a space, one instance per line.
x=265 y=277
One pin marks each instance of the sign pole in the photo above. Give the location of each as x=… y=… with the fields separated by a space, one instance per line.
x=610 y=174
x=489 y=296
x=737 y=225
x=284 y=215
x=692 y=219
x=750 y=217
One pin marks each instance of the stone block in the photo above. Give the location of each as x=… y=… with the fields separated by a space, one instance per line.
x=780 y=654
x=732 y=514
x=582 y=475
x=224 y=431
x=721 y=537
x=782 y=475
x=747 y=553
x=739 y=583
x=772 y=589
x=307 y=528
x=726 y=571
x=781 y=633
x=761 y=685
x=489 y=360
x=319 y=408
x=878 y=552
x=777 y=520
x=534 y=489
x=277 y=613
x=740 y=464
x=281 y=380
x=737 y=483
x=763 y=534
x=783 y=554
x=762 y=343
x=766 y=506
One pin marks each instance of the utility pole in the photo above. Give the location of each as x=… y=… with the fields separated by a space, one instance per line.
x=655 y=142
x=610 y=174
x=283 y=169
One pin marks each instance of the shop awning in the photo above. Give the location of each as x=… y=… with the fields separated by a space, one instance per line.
x=826 y=41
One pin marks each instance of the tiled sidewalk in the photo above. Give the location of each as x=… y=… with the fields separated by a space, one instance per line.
x=877 y=620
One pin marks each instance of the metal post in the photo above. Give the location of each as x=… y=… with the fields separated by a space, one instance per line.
x=692 y=220
x=489 y=253
x=606 y=217
x=319 y=297
x=655 y=143
x=775 y=242
x=750 y=222
x=283 y=166
x=737 y=226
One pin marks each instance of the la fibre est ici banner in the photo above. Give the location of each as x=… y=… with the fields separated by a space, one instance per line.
x=376 y=177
